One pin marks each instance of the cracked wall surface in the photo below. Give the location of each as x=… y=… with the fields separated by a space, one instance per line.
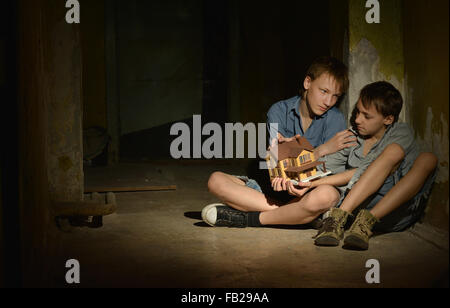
x=374 y=55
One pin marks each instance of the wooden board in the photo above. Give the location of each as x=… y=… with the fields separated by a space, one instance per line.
x=102 y=189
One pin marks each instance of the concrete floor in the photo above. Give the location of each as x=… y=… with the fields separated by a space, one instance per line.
x=157 y=239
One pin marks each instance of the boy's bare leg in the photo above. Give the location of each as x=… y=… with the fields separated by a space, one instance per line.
x=407 y=187
x=304 y=210
x=374 y=177
x=233 y=192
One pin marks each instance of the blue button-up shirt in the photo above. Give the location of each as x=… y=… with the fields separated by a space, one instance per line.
x=287 y=115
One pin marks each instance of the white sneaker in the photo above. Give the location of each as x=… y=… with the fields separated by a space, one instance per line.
x=209 y=213
x=221 y=215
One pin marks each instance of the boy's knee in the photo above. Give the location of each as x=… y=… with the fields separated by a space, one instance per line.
x=426 y=161
x=394 y=152
x=214 y=182
x=325 y=197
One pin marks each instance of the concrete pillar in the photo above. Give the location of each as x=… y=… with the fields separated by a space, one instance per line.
x=63 y=71
x=50 y=143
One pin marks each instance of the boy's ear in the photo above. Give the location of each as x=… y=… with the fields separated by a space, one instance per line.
x=307 y=83
x=389 y=120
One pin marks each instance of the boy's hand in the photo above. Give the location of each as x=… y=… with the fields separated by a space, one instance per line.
x=281 y=139
x=341 y=140
x=301 y=189
x=280 y=184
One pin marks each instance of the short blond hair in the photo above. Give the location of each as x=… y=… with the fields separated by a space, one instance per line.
x=329 y=65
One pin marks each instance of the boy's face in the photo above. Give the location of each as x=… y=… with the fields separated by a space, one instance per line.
x=369 y=122
x=322 y=93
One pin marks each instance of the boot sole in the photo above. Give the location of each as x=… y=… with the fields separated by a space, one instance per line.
x=327 y=241
x=355 y=243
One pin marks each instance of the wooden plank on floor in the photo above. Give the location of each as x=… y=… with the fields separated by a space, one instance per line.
x=103 y=189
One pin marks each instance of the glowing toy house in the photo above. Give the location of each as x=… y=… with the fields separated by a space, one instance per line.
x=295 y=161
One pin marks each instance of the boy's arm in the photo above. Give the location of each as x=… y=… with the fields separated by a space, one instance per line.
x=339 y=179
x=402 y=135
x=301 y=189
x=335 y=136
x=342 y=140
x=336 y=162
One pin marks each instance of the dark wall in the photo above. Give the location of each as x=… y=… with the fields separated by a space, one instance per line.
x=278 y=40
x=159 y=62
x=2 y=85
x=93 y=51
x=10 y=270
x=426 y=67
x=227 y=60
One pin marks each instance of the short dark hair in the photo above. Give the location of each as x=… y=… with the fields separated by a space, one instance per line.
x=331 y=66
x=385 y=97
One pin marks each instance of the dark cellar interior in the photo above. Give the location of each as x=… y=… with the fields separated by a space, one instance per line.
x=90 y=105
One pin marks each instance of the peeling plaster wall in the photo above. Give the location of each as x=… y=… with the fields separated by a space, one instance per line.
x=376 y=50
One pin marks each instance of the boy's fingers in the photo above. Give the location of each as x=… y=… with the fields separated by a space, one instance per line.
x=277 y=186
x=349 y=145
x=289 y=187
x=350 y=136
x=344 y=133
x=274 y=183
x=296 y=192
x=283 y=184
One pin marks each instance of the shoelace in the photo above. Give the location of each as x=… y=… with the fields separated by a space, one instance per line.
x=233 y=217
x=362 y=227
x=329 y=225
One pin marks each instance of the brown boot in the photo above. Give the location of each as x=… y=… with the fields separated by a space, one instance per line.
x=360 y=231
x=332 y=230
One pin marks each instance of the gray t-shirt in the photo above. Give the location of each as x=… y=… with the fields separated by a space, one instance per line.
x=353 y=157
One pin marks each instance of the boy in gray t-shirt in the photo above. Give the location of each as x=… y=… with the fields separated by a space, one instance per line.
x=378 y=178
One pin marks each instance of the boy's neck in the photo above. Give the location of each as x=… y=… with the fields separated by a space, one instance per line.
x=305 y=111
x=378 y=136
